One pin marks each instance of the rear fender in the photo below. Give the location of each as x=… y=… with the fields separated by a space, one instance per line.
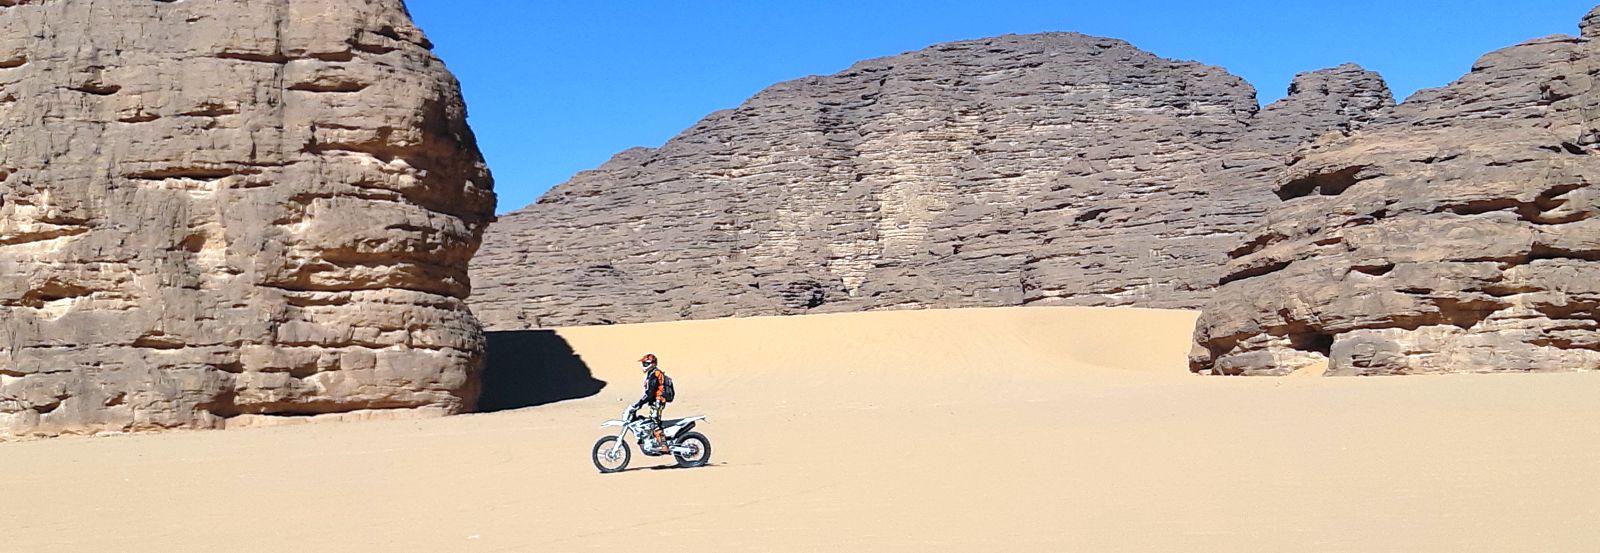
x=684 y=427
x=680 y=429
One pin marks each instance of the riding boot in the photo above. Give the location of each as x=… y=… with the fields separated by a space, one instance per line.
x=661 y=441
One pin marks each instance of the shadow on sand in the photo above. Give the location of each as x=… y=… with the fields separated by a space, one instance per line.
x=524 y=368
x=669 y=467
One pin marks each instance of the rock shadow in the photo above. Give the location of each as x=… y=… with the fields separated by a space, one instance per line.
x=525 y=368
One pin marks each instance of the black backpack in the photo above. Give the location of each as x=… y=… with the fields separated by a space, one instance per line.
x=667 y=392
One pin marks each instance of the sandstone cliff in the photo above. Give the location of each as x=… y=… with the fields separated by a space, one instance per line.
x=1052 y=169
x=214 y=209
x=1457 y=233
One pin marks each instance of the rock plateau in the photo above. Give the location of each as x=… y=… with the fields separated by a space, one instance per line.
x=1052 y=169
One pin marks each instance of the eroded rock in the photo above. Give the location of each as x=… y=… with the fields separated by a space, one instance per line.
x=1019 y=170
x=216 y=208
x=1456 y=233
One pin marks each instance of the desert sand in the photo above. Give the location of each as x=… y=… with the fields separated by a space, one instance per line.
x=1023 y=429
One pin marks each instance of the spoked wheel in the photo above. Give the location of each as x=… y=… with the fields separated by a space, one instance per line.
x=610 y=456
x=699 y=450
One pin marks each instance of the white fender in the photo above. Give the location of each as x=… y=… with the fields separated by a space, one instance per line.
x=687 y=420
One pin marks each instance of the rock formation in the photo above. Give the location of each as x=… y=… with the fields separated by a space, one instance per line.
x=1456 y=233
x=214 y=210
x=1020 y=170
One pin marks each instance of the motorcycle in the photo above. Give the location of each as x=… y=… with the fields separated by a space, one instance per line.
x=690 y=449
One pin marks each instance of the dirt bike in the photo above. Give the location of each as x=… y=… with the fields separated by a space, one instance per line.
x=690 y=449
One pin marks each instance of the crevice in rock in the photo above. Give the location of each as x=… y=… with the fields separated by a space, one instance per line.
x=97 y=89
x=1437 y=158
x=277 y=58
x=306 y=300
x=1544 y=251
x=192 y=243
x=1326 y=184
x=374 y=49
x=195 y=173
x=1571 y=309
x=1092 y=214
x=1466 y=313
x=332 y=56
x=302 y=372
x=1374 y=270
x=47 y=408
x=1255 y=272
x=1312 y=340
x=1503 y=290
x=1566 y=147
x=1535 y=211
x=52 y=290
x=1479 y=207
x=14 y=63
x=158 y=340
x=388 y=31
x=223 y=405
x=210 y=109
x=1563 y=343
x=1260 y=242
x=338 y=86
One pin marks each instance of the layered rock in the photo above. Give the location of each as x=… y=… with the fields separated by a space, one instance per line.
x=1020 y=170
x=1457 y=233
x=215 y=209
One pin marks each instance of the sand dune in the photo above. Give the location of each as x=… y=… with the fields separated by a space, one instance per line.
x=970 y=430
x=948 y=342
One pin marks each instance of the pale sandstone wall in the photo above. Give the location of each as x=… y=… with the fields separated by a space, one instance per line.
x=216 y=208
x=1458 y=233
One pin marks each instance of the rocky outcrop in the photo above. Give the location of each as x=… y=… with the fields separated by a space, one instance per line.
x=1457 y=233
x=1052 y=169
x=214 y=210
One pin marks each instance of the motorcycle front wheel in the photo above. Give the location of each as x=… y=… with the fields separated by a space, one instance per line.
x=608 y=458
x=699 y=450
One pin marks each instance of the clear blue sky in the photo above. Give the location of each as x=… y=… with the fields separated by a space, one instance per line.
x=556 y=87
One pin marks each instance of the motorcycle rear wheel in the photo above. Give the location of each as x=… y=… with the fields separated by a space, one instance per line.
x=603 y=459
x=702 y=450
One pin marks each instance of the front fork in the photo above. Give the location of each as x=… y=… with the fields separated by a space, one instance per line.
x=616 y=450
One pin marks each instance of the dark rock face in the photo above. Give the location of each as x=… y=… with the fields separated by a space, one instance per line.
x=1456 y=233
x=217 y=210
x=1020 y=170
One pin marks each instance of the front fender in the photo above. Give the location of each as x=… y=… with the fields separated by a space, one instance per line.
x=611 y=423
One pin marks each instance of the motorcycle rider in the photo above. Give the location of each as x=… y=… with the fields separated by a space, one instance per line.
x=655 y=383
